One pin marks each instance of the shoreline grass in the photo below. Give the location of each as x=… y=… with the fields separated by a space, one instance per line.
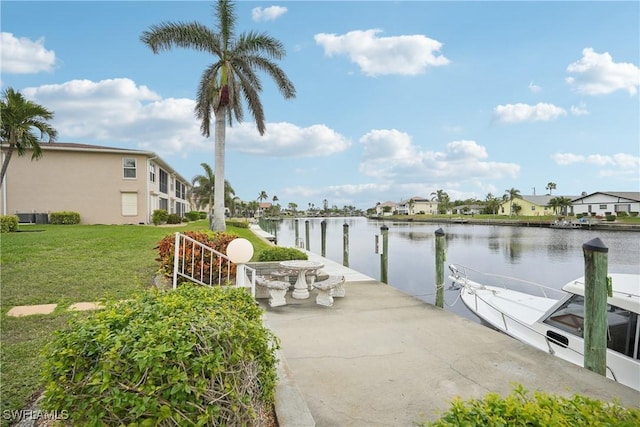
x=66 y=264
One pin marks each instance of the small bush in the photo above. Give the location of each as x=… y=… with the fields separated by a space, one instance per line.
x=174 y=219
x=159 y=216
x=203 y=215
x=277 y=253
x=9 y=223
x=192 y=215
x=201 y=270
x=633 y=213
x=191 y=356
x=64 y=217
x=238 y=223
x=621 y=214
x=610 y=217
x=518 y=409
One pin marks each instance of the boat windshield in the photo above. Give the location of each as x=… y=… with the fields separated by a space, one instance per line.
x=623 y=329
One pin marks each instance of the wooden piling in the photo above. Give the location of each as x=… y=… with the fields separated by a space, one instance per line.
x=323 y=235
x=306 y=225
x=595 y=305
x=384 y=257
x=345 y=245
x=440 y=258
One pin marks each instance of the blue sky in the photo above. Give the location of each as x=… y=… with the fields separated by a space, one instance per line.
x=394 y=99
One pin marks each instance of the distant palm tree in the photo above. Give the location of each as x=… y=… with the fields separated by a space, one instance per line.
x=19 y=116
x=551 y=186
x=411 y=203
x=442 y=198
x=228 y=80
x=512 y=193
x=262 y=196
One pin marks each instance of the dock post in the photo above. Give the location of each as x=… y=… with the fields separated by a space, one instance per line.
x=384 y=258
x=440 y=257
x=595 y=305
x=345 y=244
x=306 y=226
x=323 y=240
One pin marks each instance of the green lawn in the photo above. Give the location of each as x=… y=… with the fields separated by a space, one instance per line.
x=65 y=264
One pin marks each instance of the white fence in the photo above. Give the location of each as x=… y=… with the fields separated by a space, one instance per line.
x=204 y=265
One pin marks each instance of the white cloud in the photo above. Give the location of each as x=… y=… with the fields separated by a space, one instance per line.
x=534 y=88
x=24 y=56
x=516 y=113
x=390 y=155
x=259 y=14
x=620 y=160
x=597 y=74
x=119 y=112
x=579 y=110
x=286 y=140
x=405 y=55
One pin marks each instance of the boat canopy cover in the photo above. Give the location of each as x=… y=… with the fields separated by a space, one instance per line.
x=626 y=290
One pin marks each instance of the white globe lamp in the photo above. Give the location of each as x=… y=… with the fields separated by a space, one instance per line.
x=240 y=251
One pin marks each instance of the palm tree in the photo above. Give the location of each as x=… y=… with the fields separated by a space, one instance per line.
x=411 y=203
x=19 y=116
x=203 y=191
x=262 y=196
x=442 y=198
x=551 y=186
x=512 y=193
x=225 y=82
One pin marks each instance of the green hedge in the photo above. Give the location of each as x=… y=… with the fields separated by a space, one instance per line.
x=278 y=253
x=159 y=216
x=64 y=217
x=238 y=223
x=192 y=356
x=541 y=410
x=9 y=223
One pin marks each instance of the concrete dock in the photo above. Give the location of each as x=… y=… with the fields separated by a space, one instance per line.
x=380 y=357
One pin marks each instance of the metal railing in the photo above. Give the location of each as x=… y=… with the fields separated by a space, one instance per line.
x=204 y=265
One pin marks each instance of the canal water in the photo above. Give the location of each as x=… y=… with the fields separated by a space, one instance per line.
x=551 y=257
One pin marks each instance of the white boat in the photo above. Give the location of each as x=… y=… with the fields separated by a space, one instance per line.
x=554 y=320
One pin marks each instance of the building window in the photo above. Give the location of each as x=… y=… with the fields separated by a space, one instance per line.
x=533 y=208
x=129 y=167
x=129 y=204
x=152 y=172
x=603 y=207
x=164 y=182
x=162 y=202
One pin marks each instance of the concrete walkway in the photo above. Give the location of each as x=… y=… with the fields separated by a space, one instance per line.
x=380 y=357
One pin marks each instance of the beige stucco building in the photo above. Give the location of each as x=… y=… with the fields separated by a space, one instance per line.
x=105 y=185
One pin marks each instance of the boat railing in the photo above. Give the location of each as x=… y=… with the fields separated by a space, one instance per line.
x=466 y=274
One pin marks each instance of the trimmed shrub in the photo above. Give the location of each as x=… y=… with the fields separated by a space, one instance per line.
x=238 y=223
x=633 y=213
x=541 y=410
x=200 y=270
x=64 y=217
x=621 y=214
x=610 y=217
x=9 y=223
x=159 y=216
x=192 y=356
x=277 y=253
x=192 y=215
x=174 y=219
x=203 y=215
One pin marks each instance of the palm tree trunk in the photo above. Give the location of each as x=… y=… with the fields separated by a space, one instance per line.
x=5 y=164
x=218 y=192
